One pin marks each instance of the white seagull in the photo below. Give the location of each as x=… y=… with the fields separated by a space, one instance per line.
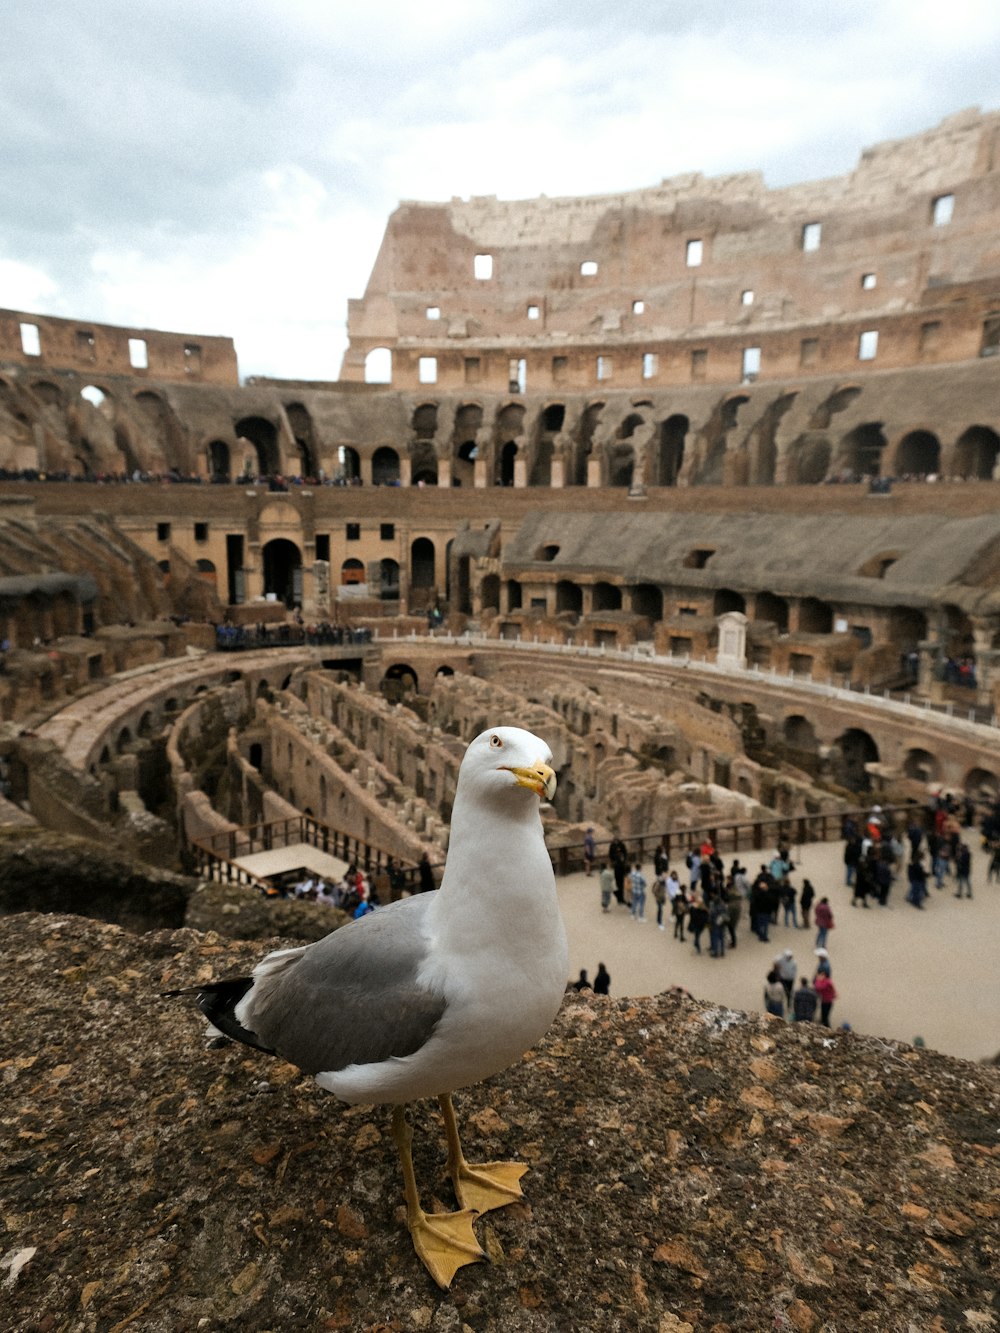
x=434 y=992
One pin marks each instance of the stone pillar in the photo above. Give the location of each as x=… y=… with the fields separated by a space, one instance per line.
x=594 y=471
x=480 y=476
x=557 y=479
x=405 y=470
x=444 y=471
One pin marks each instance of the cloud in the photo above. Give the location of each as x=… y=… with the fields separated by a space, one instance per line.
x=24 y=287
x=229 y=167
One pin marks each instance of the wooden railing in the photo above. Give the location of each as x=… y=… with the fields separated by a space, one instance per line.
x=216 y=855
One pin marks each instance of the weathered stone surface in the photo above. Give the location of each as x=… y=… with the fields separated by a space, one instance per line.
x=166 y=1187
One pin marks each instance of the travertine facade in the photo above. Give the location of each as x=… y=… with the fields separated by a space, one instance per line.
x=696 y=279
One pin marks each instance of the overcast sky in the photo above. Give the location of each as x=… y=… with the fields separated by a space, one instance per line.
x=227 y=166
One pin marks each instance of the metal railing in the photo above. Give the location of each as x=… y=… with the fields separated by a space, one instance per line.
x=737 y=836
x=889 y=700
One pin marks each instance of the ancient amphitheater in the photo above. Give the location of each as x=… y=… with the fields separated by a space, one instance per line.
x=702 y=483
x=698 y=478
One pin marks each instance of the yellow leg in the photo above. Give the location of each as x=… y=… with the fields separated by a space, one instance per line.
x=444 y=1241
x=482 y=1186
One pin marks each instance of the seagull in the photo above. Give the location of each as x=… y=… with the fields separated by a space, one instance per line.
x=431 y=993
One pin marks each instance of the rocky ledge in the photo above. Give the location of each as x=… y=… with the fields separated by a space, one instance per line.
x=691 y=1169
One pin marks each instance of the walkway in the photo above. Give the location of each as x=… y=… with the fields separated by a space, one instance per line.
x=899 y=972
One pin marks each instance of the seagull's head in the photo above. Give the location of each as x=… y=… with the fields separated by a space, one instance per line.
x=506 y=758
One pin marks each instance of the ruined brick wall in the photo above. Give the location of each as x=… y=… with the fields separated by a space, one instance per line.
x=44 y=343
x=672 y=284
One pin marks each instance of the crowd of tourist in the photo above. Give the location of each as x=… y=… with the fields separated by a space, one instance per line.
x=707 y=905
x=240 y=638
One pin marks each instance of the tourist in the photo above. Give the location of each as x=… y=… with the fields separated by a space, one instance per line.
x=917 y=876
x=718 y=920
x=581 y=983
x=823 y=962
x=618 y=856
x=804 y=1003
x=826 y=993
x=602 y=982
x=963 y=866
x=589 y=849
x=679 y=909
x=824 y=921
x=660 y=898
x=789 y=900
x=734 y=905
x=607 y=882
x=806 y=898
x=787 y=970
x=637 y=885
x=774 y=994
x=697 y=920
x=760 y=913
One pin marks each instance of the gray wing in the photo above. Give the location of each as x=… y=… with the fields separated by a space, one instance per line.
x=351 y=998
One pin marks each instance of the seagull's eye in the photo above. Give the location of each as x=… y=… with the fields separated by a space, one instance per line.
x=496 y=743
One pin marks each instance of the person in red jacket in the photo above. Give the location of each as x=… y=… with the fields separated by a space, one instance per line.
x=823 y=917
x=826 y=993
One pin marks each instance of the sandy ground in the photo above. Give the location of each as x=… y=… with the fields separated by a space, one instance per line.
x=899 y=973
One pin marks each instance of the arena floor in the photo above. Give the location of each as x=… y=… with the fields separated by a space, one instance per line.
x=899 y=973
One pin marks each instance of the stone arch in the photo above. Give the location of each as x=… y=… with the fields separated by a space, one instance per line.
x=489 y=592
x=123 y=740
x=772 y=608
x=218 y=460
x=514 y=595
x=838 y=401
x=921 y=765
x=918 y=454
x=352 y=572
x=378 y=366
x=976 y=452
x=444 y=670
x=405 y=674
x=385 y=466
x=569 y=597
x=647 y=600
x=388 y=579
x=606 y=597
x=799 y=733
x=670 y=449
x=464 y=443
x=505 y=464
x=282 y=562
x=349 y=461
x=854 y=749
x=422 y=563
x=47 y=392
x=300 y=421
x=263 y=435
x=509 y=428
x=550 y=422
x=809 y=459
x=726 y=600
x=982 y=784
x=861 y=450
x=815 y=616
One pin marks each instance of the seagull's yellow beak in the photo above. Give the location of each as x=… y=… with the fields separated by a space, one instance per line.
x=540 y=778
